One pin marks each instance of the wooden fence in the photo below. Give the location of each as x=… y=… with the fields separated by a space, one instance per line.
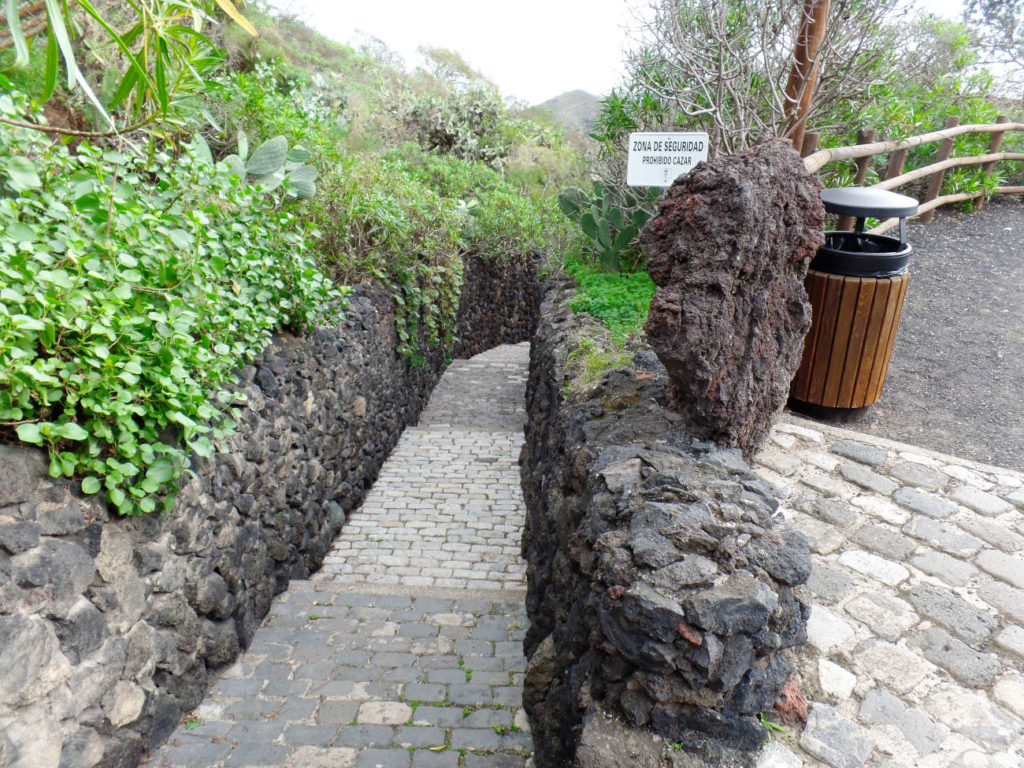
x=867 y=148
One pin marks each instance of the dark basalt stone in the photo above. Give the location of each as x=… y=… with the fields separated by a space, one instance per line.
x=662 y=592
x=729 y=250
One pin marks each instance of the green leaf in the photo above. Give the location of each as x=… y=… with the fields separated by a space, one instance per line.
x=298 y=154
x=75 y=76
x=22 y=173
x=243 y=145
x=70 y=431
x=604 y=233
x=91 y=485
x=30 y=433
x=160 y=70
x=50 y=73
x=268 y=157
x=17 y=35
x=20 y=233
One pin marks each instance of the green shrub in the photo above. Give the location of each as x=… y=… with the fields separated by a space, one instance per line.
x=620 y=300
x=130 y=295
x=377 y=222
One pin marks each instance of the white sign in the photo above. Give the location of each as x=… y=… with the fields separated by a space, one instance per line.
x=658 y=159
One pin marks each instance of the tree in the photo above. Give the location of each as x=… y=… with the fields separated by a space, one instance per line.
x=723 y=66
x=1000 y=28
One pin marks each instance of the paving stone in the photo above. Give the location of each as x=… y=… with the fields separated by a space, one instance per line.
x=826 y=630
x=948 y=537
x=926 y=503
x=257 y=753
x=828 y=584
x=981 y=502
x=1009 y=691
x=424 y=692
x=383 y=713
x=918 y=475
x=474 y=738
x=881 y=508
x=1003 y=566
x=1012 y=639
x=973 y=715
x=827 y=484
x=831 y=511
x=887 y=616
x=469 y=694
x=445 y=717
x=311 y=735
x=419 y=736
x=775 y=755
x=488 y=718
x=954 y=572
x=366 y=736
x=970 y=623
x=894 y=666
x=881 y=707
x=864 y=453
x=832 y=738
x=834 y=680
x=384 y=758
x=1004 y=599
x=874 y=566
x=866 y=478
x=195 y=754
x=321 y=757
x=778 y=461
x=494 y=761
x=423 y=758
x=884 y=541
x=996 y=534
x=822 y=537
x=972 y=668
x=337 y=712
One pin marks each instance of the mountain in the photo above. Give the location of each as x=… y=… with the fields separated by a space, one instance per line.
x=574 y=110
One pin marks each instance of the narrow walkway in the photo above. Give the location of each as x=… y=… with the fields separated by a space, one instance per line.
x=405 y=651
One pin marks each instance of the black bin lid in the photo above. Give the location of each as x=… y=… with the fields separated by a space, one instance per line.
x=862 y=202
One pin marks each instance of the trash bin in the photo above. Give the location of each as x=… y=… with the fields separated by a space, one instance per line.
x=856 y=285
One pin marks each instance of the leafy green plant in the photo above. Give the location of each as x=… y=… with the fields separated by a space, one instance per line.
x=611 y=227
x=131 y=292
x=620 y=300
x=272 y=164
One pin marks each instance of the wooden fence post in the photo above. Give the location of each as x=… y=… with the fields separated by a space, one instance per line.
x=935 y=182
x=864 y=136
x=993 y=147
x=896 y=161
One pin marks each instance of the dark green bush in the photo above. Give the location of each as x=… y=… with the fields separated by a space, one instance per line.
x=130 y=294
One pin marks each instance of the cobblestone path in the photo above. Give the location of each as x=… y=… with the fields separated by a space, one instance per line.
x=915 y=641
x=406 y=648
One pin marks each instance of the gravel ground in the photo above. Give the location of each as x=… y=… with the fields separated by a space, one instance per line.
x=956 y=380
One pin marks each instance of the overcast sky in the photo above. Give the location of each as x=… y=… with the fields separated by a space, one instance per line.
x=532 y=49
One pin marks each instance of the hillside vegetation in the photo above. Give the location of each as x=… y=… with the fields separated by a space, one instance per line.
x=251 y=182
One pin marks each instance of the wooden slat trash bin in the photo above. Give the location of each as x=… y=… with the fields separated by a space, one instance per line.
x=856 y=285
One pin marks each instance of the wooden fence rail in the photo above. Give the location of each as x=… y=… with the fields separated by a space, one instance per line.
x=895 y=177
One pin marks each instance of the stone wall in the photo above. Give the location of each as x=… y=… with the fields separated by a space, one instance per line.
x=499 y=302
x=111 y=628
x=663 y=593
